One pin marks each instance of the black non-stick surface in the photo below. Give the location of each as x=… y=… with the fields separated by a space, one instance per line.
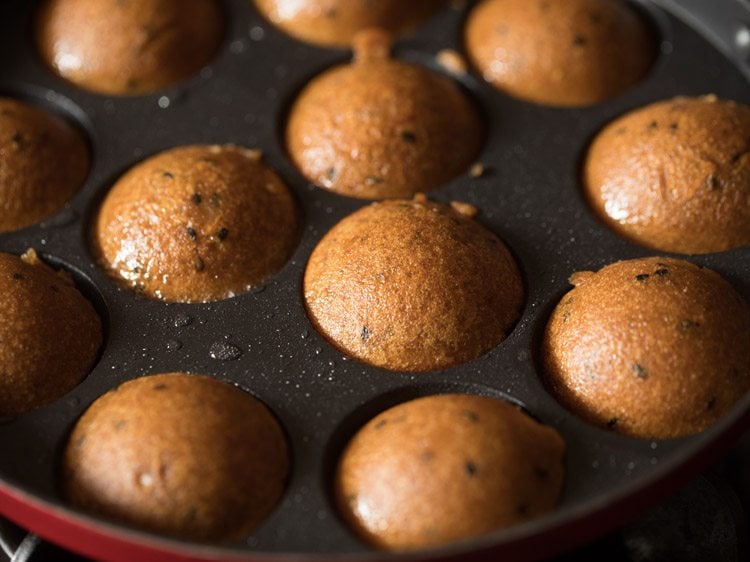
x=263 y=341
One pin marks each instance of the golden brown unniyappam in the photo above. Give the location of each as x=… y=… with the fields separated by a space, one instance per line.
x=675 y=175
x=382 y=128
x=444 y=468
x=44 y=161
x=128 y=47
x=412 y=285
x=559 y=53
x=652 y=347
x=182 y=455
x=50 y=334
x=196 y=224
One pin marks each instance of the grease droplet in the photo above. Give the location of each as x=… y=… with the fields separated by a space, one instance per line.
x=182 y=320
x=223 y=351
x=174 y=345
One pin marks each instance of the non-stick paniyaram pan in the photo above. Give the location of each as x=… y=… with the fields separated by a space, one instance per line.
x=530 y=196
